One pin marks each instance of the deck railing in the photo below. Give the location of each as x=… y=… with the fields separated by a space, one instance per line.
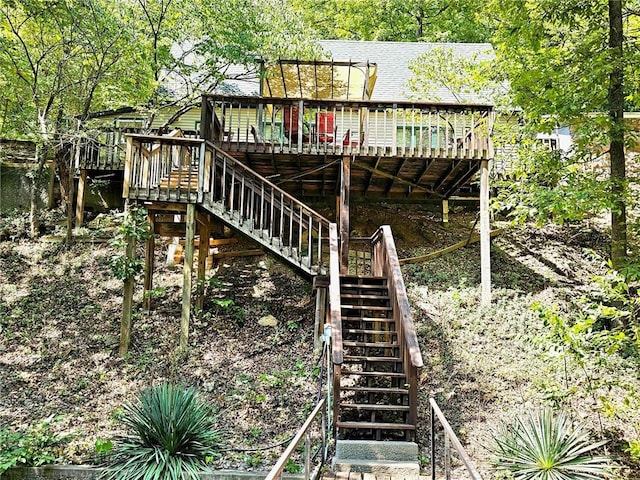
x=385 y=263
x=175 y=169
x=406 y=129
x=162 y=168
x=449 y=439
x=105 y=151
x=268 y=211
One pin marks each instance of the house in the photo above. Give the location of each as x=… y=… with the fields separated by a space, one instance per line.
x=316 y=130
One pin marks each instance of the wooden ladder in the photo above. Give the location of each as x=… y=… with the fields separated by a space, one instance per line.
x=374 y=396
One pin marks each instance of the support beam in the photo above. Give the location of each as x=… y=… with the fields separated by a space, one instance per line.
x=375 y=167
x=149 y=260
x=445 y=211
x=342 y=214
x=455 y=164
x=384 y=174
x=395 y=175
x=82 y=183
x=203 y=252
x=461 y=180
x=485 y=232
x=187 y=271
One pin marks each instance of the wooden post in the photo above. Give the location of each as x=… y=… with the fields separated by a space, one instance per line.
x=445 y=212
x=82 y=183
x=342 y=214
x=320 y=285
x=203 y=252
x=52 y=184
x=187 y=270
x=485 y=232
x=125 y=324
x=72 y=163
x=149 y=259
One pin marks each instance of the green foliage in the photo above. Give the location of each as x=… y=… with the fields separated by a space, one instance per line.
x=541 y=446
x=292 y=467
x=33 y=447
x=464 y=77
x=172 y=436
x=134 y=227
x=549 y=186
x=406 y=21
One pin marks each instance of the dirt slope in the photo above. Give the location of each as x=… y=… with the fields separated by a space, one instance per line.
x=60 y=312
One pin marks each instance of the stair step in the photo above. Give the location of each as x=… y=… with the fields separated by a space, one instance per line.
x=347 y=318
x=373 y=374
x=369 y=332
x=375 y=425
x=361 y=278
x=361 y=358
x=350 y=343
x=375 y=406
x=349 y=286
x=402 y=391
x=363 y=296
x=367 y=307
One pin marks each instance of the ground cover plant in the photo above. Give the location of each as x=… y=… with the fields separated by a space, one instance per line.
x=171 y=436
x=543 y=445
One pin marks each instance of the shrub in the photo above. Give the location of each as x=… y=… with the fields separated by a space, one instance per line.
x=34 y=447
x=173 y=437
x=541 y=446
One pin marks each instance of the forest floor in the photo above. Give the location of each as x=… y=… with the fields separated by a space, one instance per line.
x=60 y=312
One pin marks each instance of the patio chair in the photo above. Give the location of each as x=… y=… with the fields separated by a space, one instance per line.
x=325 y=124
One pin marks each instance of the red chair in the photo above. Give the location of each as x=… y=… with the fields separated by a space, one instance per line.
x=347 y=142
x=291 y=123
x=325 y=123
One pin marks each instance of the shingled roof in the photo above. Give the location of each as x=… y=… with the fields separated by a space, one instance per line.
x=393 y=60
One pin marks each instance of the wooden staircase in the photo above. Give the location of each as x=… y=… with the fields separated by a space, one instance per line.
x=184 y=170
x=374 y=348
x=374 y=395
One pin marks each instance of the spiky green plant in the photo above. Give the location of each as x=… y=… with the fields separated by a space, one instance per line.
x=172 y=437
x=543 y=446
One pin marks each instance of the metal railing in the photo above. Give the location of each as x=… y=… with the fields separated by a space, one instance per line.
x=315 y=446
x=450 y=438
x=407 y=129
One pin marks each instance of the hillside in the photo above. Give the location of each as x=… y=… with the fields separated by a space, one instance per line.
x=60 y=313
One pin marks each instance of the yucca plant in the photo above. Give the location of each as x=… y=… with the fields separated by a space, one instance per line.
x=543 y=446
x=172 y=437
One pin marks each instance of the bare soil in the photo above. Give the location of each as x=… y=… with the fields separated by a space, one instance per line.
x=60 y=313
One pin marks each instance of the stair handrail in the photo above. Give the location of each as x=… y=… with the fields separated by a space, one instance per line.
x=266 y=181
x=335 y=311
x=385 y=262
x=304 y=433
x=450 y=437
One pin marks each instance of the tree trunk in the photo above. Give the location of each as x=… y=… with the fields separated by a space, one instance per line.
x=36 y=183
x=616 y=136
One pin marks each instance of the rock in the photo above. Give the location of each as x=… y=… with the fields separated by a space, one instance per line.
x=268 y=321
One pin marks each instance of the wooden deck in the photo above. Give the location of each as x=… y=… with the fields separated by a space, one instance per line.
x=398 y=150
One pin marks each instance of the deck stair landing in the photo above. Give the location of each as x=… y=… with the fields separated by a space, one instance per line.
x=396 y=460
x=374 y=395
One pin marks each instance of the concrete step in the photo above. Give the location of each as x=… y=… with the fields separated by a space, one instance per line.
x=398 y=459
